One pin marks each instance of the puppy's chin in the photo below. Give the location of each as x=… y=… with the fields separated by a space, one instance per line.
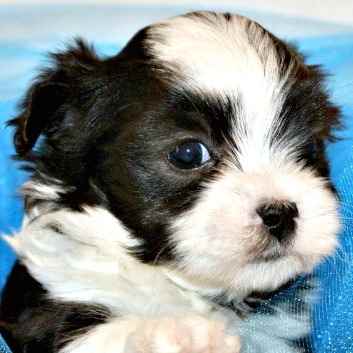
x=221 y=243
x=264 y=274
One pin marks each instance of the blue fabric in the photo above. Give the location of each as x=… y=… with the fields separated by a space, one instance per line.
x=333 y=329
x=3 y=346
x=333 y=313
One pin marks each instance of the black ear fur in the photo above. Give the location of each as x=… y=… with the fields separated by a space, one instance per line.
x=44 y=104
x=38 y=109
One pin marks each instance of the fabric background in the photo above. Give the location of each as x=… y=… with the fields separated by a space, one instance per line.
x=3 y=346
x=28 y=32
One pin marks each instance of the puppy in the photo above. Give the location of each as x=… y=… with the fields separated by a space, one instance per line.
x=169 y=183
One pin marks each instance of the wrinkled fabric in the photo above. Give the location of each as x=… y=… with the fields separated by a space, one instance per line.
x=3 y=346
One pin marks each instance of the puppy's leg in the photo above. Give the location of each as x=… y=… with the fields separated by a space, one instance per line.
x=187 y=334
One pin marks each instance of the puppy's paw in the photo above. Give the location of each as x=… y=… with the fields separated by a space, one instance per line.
x=191 y=334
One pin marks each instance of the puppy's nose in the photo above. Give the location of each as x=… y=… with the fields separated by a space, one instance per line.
x=279 y=218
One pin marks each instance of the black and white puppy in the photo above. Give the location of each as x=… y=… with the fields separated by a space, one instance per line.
x=170 y=182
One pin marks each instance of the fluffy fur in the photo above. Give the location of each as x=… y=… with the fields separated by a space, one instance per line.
x=138 y=255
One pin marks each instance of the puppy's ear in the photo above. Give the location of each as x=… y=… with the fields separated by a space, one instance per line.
x=40 y=109
x=44 y=105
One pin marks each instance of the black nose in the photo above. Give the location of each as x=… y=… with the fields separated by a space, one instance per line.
x=279 y=218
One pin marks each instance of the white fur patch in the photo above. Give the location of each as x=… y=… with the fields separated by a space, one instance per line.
x=40 y=191
x=85 y=258
x=215 y=54
x=44 y=193
x=218 y=239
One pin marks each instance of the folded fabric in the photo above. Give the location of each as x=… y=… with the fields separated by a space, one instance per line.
x=3 y=346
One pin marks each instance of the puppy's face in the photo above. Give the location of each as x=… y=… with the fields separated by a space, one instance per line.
x=205 y=138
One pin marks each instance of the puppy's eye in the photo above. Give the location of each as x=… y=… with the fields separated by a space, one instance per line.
x=189 y=155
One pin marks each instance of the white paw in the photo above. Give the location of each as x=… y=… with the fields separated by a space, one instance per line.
x=191 y=334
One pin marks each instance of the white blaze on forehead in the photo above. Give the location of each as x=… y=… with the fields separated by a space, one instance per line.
x=217 y=54
x=232 y=58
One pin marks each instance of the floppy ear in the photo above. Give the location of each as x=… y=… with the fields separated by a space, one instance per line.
x=43 y=107
x=39 y=109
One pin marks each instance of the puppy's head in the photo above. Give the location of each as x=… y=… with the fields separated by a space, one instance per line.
x=204 y=137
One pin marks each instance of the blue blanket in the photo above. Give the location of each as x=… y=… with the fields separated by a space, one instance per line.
x=21 y=51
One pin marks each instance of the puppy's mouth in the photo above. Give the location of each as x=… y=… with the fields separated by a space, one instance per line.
x=271 y=255
x=270 y=249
